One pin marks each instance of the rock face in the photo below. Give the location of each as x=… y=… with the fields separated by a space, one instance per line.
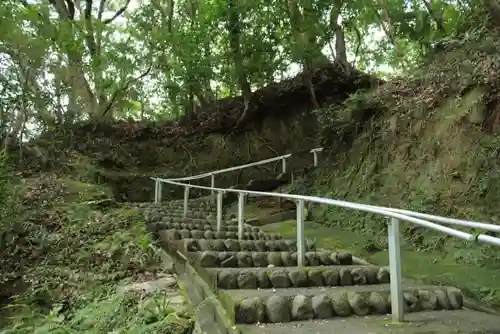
x=260 y=272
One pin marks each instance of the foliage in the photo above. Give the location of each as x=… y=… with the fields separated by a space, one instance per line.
x=430 y=148
x=64 y=61
x=71 y=256
x=110 y=313
x=9 y=202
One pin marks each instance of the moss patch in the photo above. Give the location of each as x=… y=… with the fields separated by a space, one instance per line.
x=251 y=211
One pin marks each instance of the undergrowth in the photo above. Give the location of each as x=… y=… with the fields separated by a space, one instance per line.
x=65 y=257
x=110 y=313
x=429 y=143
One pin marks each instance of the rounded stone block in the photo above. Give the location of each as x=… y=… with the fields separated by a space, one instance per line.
x=383 y=275
x=340 y=304
x=244 y=259
x=455 y=297
x=263 y=280
x=331 y=277
x=345 y=277
x=274 y=258
x=443 y=300
x=247 y=280
x=260 y=259
x=378 y=304
x=322 y=307
x=277 y=309
x=298 y=278
x=279 y=279
x=324 y=258
x=227 y=279
x=209 y=259
x=302 y=308
x=315 y=277
x=250 y=311
x=428 y=300
x=228 y=260
x=358 y=303
x=358 y=276
x=312 y=259
x=412 y=303
x=287 y=259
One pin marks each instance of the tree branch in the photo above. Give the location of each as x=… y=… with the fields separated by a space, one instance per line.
x=89 y=36
x=62 y=9
x=358 y=47
x=101 y=10
x=119 y=91
x=71 y=9
x=438 y=20
x=118 y=13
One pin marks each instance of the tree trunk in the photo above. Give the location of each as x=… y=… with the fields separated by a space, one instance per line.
x=234 y=31
x=340 y=49
x=305 y=47
x=494 y=9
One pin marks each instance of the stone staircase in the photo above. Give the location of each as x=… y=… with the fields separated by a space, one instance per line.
x=260 y=282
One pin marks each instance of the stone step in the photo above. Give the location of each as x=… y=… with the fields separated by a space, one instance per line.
x=191 y=208
x=299 y=304
x=286 y=277
x=193 y=213
x=211 y=259
x=176 y=234
x=463 y=321
x=157 y=212
x=187 y=220
x=158 y=226
x=201 y=221
x=196 y=201
x=231 y=245
x=154 y=216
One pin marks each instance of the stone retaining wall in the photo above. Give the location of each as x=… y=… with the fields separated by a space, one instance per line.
x=210 y=314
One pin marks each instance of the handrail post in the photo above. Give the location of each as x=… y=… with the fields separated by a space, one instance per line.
x=283 y=165
x=186 y=199
x=212 y=183
x=301 y=240
x=241 y=214
x=315 y=157
x=219 y=210
x=158 y=186
x=395 y=271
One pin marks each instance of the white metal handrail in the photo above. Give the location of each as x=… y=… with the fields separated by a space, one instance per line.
x=314 y=151
x=395 y=215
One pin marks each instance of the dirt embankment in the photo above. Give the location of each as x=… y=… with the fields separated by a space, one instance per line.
x=126 y=154
x=434 y=147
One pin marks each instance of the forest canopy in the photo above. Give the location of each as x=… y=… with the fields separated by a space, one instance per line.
x=63 y=61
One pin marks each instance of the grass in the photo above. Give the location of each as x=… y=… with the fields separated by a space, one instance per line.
x=110 y=313
x=429 y=267
x=251 y=210
x=74 y=258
